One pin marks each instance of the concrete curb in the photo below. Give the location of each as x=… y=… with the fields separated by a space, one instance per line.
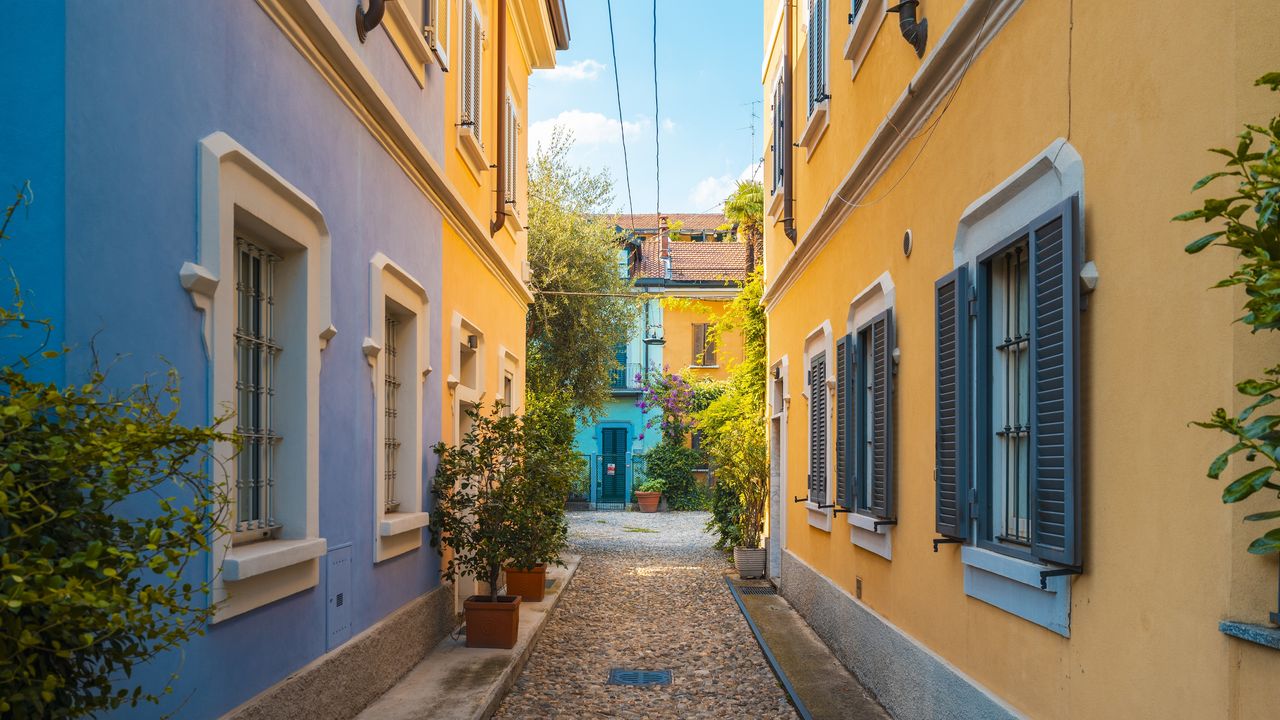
x=454 y=682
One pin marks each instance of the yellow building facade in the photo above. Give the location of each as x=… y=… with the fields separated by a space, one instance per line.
x=986 y=344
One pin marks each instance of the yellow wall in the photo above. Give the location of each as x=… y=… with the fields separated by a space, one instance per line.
x=677 y=327
x=1164 y=559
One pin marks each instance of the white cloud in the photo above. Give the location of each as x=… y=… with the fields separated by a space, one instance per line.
x=669 y=125
x=588 y=128
x=711 y=191
x=582 y=70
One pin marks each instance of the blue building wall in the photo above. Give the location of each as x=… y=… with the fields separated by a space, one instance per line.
x=115 y=98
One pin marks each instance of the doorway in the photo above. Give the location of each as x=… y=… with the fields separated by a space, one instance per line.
x=614 y=467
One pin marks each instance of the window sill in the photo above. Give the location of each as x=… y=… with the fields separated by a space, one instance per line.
x=704 y=367
x=511 y=221
x=401 y=522
x=865 y=28
x=775 y=206
x=472 y=152
x=864 y=534
x=1263 y=635
x=818 y=518
x=1013 y=585
x=245 y=561
x=816 y=128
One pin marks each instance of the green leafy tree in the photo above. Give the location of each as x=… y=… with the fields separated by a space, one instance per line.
x=581 y=309
x=1248 y=222
x=745 y=206
x=553 y=468
x=732 y=424
x=104 y=503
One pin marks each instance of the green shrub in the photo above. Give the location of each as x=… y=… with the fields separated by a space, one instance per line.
x=670 y=467
x=725 y=512
x=104 y=502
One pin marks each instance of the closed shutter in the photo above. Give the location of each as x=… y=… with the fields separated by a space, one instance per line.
x=1055 y=368
x=511 y=147
x=708 y=349
x=813 y=53
x=846 y=457
x=951 y=449
x=779 y=140
x=818 y=429
x=880 y=434
x=465 y=80
x=699 y=340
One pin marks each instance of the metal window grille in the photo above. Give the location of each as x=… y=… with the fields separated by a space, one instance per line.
x=1011 y=403
x=512 y=145
x=391 y=442
x=256 y=353
x=472 y=41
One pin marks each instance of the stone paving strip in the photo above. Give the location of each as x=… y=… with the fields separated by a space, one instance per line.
x=649 y=594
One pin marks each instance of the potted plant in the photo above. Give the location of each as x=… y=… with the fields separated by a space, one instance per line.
x=649 y=494
x=539 y=494
x=479 y=517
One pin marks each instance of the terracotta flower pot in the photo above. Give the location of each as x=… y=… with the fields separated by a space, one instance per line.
x=750 y=561
x=648 y=501
x=530 y=585
x=492 y=624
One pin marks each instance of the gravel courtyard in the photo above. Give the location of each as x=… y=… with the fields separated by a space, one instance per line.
x=649 y=595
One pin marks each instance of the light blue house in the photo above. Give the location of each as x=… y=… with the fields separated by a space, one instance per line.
x=703 y=271
x=252 y=193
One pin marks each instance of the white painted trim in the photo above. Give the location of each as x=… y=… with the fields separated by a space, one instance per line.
x=816 y=128
x=237 y=190
x=863 y=32
x=390 y=281
x=472 y=152
x=417 y=55
x=779 y=497
x=864 y=534
x=245 y=561
x=401 y=522
x=940 y=72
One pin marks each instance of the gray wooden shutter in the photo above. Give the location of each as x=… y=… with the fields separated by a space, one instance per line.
x=813 y=53
x=846 y=458
x=951 y=437
x=1055 y=370
x=818 y=429
x=880 y=434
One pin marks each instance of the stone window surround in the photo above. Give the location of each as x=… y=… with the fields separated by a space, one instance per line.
x=1053 y=175
x=389 y=282
x=871 y=301
x=237 y=189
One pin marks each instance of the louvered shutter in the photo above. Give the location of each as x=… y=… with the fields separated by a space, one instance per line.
x=820 y=44
x=1055 y=368
x=951 y=437
x=779 y=139
x=511 y=146
x=846 y=457
x=880 y=434
x=477 y=72
x=813 y=54
x=465 y=80
x=699 y=340
x=818 y=429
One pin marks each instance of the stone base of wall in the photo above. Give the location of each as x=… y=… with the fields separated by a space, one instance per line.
x=341 y=683
x=908 y=679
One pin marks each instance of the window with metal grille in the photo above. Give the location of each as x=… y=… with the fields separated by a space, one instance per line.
x=256 y=354
x=1009 y=303
x=391 y=439
x=817 y=53
x=704 y=346
x=472 y=48
x=512 y=146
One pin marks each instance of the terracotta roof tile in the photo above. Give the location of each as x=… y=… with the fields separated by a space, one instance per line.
x=694 y=261
x=689 y=222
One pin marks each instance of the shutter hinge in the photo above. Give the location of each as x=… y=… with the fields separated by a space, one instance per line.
x=973 y=302
x=973 y=502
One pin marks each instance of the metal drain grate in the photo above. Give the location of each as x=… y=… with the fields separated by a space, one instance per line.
x=550 y=583
x=757 y=590
x=622 y=676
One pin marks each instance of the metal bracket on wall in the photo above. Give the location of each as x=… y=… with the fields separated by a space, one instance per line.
x=796 y=499
x=946 y=541
x=1057 y=572
x=839 y=510
x=823 y=506
x=875 y=526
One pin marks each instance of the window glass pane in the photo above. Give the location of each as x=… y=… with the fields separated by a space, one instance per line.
x=1010 y=301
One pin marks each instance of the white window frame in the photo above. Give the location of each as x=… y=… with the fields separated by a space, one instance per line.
x=866 y=25
x=435 y=30
x=778 y=135
x=394 y=288
x=818 y=113
x=240 y=194
x=512 y=155
x=509 y=367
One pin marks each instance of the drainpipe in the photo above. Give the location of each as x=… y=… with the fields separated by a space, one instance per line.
x=788 y=191
x=664 y=241
x=500 y=211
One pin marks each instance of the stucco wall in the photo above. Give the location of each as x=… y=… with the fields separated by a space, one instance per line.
x=1164 y=559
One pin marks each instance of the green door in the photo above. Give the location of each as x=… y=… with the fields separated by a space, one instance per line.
x=613 y=465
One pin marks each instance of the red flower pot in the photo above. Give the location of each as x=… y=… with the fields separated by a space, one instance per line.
x=648 y=501
x=530 y=585
x=492 y=624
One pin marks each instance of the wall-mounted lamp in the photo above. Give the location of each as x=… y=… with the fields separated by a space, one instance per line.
x=906 y=244
x=473 y=342
x=367 y=20
x=916 y=33
x=777 y=373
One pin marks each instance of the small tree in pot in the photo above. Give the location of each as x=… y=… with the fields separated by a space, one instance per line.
x=479 y=517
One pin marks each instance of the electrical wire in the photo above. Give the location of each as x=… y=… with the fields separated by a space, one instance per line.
x=657 y=122
x=622 y=127
x=928 y=134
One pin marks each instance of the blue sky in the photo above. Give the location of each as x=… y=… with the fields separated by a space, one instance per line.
x=709 y=55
